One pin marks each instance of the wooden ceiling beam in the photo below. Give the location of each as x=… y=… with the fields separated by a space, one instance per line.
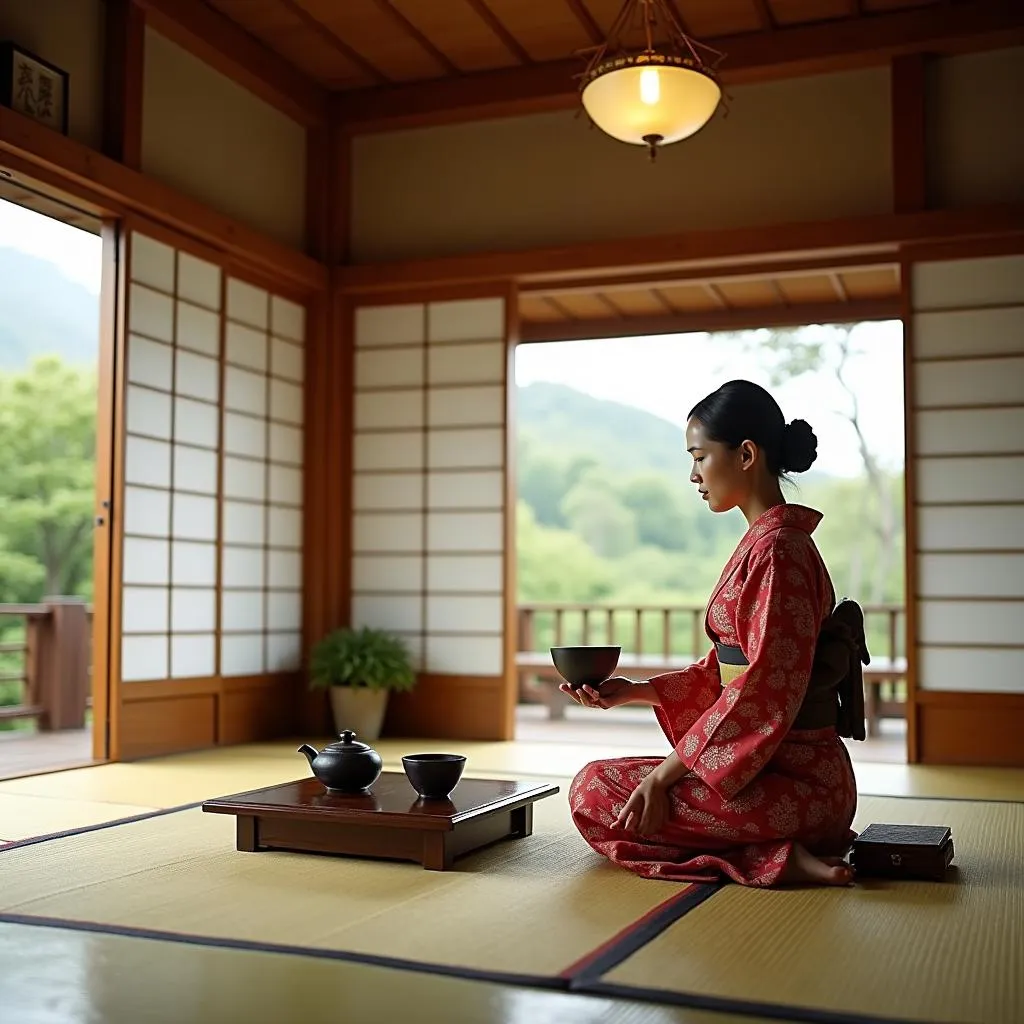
x=908 y=99
x=765 y=15
x=840 y=288
x=324 y=32
x=562 y=311
x=410 y=29
x=124 y=34
x=219 y=42
x=586 y=20
x=662 y=301
x=877 y=237
x=779 y=269
x=735 y=319
x=716 y=295
x=678 y=14
x=497 y=26
x=757 y=56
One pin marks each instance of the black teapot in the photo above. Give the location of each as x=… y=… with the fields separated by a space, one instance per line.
x=346 y=766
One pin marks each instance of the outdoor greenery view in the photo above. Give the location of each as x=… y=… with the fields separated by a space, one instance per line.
x=48 y=343
x=606 y=514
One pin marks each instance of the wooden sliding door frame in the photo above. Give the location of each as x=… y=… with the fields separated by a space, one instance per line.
x=217 y=686
x=910 y=581
x=106 y=618
x=347 y=304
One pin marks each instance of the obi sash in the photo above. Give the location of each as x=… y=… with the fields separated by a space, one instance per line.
x=835 y=691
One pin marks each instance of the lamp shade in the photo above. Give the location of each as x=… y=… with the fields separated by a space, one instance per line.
x=636 y=101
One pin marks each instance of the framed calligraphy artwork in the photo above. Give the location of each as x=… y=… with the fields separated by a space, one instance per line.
x=33 y=87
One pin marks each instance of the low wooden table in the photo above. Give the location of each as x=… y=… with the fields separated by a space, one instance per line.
x=390 y=823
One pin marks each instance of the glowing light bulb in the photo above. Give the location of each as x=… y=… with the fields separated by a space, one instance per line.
x=650 y=86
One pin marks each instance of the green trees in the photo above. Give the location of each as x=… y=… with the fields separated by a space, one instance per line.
x=606 y=514
x=47 y=474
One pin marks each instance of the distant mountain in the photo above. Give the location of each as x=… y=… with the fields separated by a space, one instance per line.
x=623 y=438
x=43 y=312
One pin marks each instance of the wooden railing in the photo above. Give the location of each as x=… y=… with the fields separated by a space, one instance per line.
x=48 y=662
x=660 y=638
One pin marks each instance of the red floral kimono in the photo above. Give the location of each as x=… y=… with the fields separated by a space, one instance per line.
x=755 y=785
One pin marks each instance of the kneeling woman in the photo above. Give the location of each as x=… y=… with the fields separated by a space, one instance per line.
x=759 y=786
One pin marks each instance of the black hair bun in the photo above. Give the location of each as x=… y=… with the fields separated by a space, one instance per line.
x=799 y=447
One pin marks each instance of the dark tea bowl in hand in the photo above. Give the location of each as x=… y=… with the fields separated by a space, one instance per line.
x=434 y=776
x=585 y=666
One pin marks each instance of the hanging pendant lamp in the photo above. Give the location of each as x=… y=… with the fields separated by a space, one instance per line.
x=655 y=95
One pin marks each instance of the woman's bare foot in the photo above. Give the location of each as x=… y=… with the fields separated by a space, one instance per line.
x=803 y=868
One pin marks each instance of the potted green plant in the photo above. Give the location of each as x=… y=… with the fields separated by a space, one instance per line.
x=360 y=668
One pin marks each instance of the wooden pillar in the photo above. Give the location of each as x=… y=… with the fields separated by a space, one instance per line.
x=909 y=150
x=328 y=403
x=124 y=37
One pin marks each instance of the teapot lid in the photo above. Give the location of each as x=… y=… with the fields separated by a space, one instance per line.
x=347 y=744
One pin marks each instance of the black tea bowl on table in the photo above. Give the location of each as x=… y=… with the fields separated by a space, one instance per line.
x=586 y=666
x=434 y=776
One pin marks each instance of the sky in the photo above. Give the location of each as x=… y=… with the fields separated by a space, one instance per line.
x=665 y=375
x=75 y=251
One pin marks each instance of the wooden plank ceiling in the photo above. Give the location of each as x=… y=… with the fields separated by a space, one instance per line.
x=784 y=295
x=361 y=44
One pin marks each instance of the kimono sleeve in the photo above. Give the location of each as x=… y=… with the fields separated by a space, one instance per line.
x=778 y=615
x=684 y=695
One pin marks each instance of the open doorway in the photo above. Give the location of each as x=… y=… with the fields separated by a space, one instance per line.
x=614 y=545
x=50 y=270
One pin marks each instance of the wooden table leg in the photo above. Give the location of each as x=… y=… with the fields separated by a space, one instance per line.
x=247 y=833
x=437 y=854
x=522 y=821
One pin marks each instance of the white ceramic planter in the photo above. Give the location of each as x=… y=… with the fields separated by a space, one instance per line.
x=359 y=709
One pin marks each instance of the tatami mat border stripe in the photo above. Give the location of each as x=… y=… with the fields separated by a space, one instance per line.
x=636 y=935
x=68 y=833
x=741 y=1007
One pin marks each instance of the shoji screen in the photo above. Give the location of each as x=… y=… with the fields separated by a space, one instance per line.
x=968 y=394
x=212 y=499
x=261 y=554
x=429 y=499
x=172 y=450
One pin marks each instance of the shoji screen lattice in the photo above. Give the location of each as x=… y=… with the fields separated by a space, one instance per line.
x=212 y=470
x=261 y=562
x=429 y=480
x=968 y=349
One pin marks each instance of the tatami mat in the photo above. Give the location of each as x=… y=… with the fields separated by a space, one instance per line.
x=951 y=951
x=532 y=906
x=163 y=782
x=927 y=781
x=24 y=816
x=172 y=982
